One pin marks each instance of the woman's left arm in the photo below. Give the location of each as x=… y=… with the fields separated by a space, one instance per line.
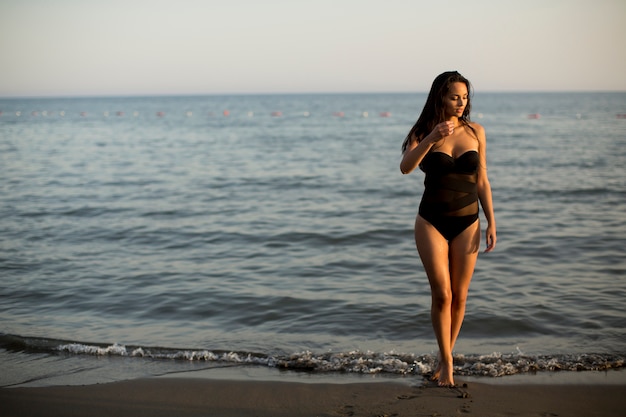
x=484 y=189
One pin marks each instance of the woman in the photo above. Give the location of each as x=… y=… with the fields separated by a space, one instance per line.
x=451 y=151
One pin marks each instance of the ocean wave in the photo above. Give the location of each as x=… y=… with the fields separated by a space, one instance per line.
x=358 y=362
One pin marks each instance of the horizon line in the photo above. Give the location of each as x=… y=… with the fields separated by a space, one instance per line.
x=223 y=94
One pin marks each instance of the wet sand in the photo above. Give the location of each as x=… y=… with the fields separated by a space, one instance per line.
x=186 y=397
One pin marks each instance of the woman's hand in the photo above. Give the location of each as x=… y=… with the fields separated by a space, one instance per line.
x=417 y=149
x=490 y=236
x=440 y=131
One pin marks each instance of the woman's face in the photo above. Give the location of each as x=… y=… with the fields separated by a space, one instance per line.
x=455 y=101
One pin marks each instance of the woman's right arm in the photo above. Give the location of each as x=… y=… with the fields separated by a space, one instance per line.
x=416 y=150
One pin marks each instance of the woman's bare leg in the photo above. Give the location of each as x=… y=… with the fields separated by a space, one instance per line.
x=449 y=267
x=433 y=250
x=463 y=255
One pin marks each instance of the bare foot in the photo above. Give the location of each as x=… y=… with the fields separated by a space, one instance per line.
x=437 y=373
x=445 y=378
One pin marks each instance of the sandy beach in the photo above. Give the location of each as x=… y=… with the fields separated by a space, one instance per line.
x=193 y=396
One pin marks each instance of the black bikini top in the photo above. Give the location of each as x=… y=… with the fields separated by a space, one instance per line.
x=439 y=163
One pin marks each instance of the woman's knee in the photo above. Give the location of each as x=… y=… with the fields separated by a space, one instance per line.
x=458 y=302
x=441 y=298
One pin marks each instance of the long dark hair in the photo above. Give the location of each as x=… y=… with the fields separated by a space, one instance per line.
x=433 y=112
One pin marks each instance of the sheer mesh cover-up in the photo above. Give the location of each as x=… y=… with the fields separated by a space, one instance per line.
x=450 y=200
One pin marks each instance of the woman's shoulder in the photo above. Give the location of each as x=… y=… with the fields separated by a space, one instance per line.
x=477 y=127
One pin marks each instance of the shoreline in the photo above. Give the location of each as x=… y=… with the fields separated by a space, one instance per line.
x=267 y=374
x=247 y=392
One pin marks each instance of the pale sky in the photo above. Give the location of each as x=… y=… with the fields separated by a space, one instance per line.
x=151 y=47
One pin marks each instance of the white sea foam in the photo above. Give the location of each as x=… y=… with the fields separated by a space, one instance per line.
x=494 y=364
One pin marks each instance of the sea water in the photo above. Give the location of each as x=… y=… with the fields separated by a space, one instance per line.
x=146 y=235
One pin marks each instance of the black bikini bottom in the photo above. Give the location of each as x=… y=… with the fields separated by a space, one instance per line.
x=450 y=226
